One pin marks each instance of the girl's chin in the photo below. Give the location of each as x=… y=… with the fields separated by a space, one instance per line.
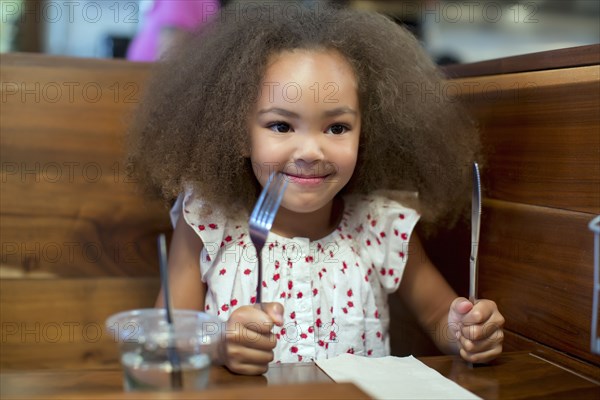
x=298 y=206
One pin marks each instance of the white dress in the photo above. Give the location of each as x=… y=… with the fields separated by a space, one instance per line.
x=334 y=290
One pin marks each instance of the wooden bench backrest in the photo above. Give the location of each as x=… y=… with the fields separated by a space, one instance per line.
x=541 y=134
x=78 y=242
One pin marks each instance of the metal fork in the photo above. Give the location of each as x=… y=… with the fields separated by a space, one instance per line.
x=262 y=217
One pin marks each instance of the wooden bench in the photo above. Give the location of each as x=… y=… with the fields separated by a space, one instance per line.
x=540 y=126
x=541 y=183
x=78 y=242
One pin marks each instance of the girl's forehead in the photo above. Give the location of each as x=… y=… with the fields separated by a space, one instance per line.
x=284 y=63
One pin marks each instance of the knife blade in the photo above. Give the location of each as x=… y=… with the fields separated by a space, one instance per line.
x=475 y=225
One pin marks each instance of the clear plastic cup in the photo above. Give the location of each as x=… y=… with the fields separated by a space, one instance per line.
x=157 y=356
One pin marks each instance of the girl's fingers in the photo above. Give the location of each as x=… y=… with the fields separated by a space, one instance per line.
x=481 y=346
x=481 y=357
x=482 y=331
x=246 y=355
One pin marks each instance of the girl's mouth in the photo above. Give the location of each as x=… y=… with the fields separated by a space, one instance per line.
x=307 y=180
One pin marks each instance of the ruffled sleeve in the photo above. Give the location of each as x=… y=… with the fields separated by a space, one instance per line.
x=385 y=230
x=207 y=223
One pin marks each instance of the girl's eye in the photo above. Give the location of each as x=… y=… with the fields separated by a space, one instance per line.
x=337 y=129
x=279 y=127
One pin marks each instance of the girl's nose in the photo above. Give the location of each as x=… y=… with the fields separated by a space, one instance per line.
x=309 y=148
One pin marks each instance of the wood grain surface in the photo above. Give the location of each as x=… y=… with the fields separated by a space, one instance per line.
x=68 y=206
x=60 y=323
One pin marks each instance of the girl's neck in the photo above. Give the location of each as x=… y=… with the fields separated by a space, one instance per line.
x=315 y=225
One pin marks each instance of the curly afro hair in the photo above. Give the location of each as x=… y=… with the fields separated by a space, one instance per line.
x=191 y=127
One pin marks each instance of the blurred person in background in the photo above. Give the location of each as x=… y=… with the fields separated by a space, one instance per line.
x=167 y=22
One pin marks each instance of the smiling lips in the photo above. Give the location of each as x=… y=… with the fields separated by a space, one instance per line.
x=307 y=180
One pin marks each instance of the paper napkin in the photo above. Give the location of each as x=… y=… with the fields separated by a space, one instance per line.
x=393 y=377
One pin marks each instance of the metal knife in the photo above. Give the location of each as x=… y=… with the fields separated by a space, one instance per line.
x=475 y=225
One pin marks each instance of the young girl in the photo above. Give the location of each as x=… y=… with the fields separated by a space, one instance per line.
x=344 y=104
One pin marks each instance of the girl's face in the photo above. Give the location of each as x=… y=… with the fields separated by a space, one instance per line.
x=306 y=124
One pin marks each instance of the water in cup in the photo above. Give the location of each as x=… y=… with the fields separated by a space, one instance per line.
x=147 y=344
x=150 y=370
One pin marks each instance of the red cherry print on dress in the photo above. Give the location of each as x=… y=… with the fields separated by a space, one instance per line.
x=253 y=300
x=225 y=307
x=404 y=236
x=277 y=265
x=309 y=259
x=350 y=304
x=315 y=292
x=228 y=238
x=382 y=234
x=370 y=352
x=396 y=233
x=222 y=271
x=276 y=277
x=311 y=329
x=396 y=279
x=299 y=358
x=233 y=302
x=401 y=216
x=350 y=350
x=247 y=271
x=318 y=323
x=345 y=310
x=349 y=293
x=332 y=336
x=401 y=254
x=264 y=284
x=299 y=295
x=319 y=311
x=303 y=335
x=321 y=343
x=201 y=227
x=290 y=285
x=376 y=314
x=373 y=223
x=390 y=272
x=293 y=315
x=207 y=257
x=368 y=242
x=378 y=334
x=213 y=226
x=294 y=349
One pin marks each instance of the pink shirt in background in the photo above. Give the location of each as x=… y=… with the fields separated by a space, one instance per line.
x=182 y=14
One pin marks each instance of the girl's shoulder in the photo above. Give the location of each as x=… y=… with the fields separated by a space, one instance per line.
x=209 y=221
x=381 y=204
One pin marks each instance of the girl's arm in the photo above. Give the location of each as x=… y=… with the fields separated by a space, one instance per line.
x=425 y=291
x=186 y=287
x=455 y=324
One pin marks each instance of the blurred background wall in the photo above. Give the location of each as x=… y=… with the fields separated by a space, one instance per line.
x=452 y=31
